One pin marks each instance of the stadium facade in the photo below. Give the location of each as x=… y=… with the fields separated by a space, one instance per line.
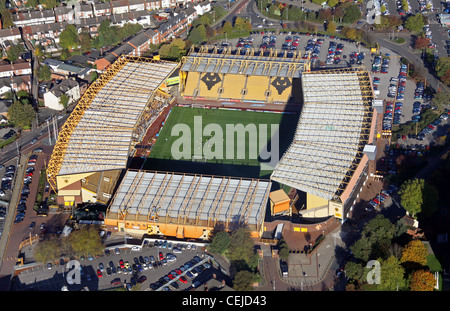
x=327 y=159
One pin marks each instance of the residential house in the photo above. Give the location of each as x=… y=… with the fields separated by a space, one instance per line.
x=10 y=34
x=191 y=14
x=53 y=93
x=102 y=8
x=52 y=63
x=141 y=42
x=83 y=11
x=64 y=14
x=119 y=6
x=153 y=5
x=18 y=68
x=44 y=34
x=4 y=106
x=175 y=24
x=33 y=18
x=136 y=46
x=15 y=84
x=92 y=24
x=203 y=7
x=136 y=5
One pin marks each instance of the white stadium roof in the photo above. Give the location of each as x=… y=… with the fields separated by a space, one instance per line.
x=166 y=195
x=328 y=140
x=101 y=140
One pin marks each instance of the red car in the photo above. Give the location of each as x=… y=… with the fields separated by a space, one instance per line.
x=183 y=279
x=121 y=264
x=170 y=276
x=99 y=274
x=161 y=257
x=178 y=271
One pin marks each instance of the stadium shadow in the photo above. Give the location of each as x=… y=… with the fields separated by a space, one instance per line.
x=193 y=167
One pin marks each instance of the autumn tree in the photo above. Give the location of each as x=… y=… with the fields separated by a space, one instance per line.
x=421 y=43
x=414 y=254
x=422 y=280
x=227 y=28
x=331 y=27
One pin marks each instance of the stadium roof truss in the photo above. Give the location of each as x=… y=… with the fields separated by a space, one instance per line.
x=97 y=135
x=243 y=65
x=189 y=199
x=332 y=131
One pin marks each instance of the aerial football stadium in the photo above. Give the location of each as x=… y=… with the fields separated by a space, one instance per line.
x=324 y=157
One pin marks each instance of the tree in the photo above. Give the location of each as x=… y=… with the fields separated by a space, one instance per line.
x=325 y=15
x=283 y=250
x=68 y=38
x=243 y=281
x=47 y=250
x=14 y=52
x=50 y=4
x=228 y=28
x=422 y=280
x=239 y=24
x=85 y=40
x=85 y=241
x=414 y=254
x=241 y=245
x=415 y=23
x=375 y=239
x=44 y=73
x=446 y=77
x=220 y=242
x=355 y=271
x=430 y=200
x=351 y=34
x=331 y=27
x=21 y=114
x=31 y=3
x=392 y=274
x=6 y=18
x=332 y=3
x=441 y=99
x=64 y=100
x=442 y=65
x=197 y=35
x=352 y=14
x=411 y=197
x=421 y=43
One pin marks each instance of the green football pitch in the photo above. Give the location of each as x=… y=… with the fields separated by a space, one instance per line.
x=221 y=142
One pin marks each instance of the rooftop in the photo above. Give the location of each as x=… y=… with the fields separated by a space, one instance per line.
x=166 y=197
x=331 y=134
x=101 y=138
